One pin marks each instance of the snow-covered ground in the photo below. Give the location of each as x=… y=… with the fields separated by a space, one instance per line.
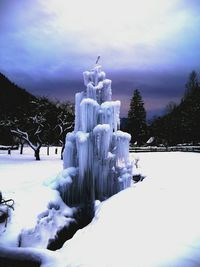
x=154 y=223
x=22 y=179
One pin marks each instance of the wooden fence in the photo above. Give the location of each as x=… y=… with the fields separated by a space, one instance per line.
x=15 y=147
x=165 y=149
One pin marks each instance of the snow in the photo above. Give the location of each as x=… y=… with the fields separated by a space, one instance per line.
x=39 y=212
x=154 y=223
x=150 y=140
x=62 y=179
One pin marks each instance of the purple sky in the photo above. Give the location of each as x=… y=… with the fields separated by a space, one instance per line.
x=150 y=45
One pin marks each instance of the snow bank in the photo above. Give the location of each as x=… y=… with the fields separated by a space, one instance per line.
x=52 y=220
x=39 y=212
x=155 y=223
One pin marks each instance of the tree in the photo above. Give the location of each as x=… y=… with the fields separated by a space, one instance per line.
x=48 y=111
x=14 y=101
x=137 y=126
x=170 y=107
x=64 y=123
x=29 y=131
x=190 y=109
x=181 y=123
x=192 y=84
x=25 y=118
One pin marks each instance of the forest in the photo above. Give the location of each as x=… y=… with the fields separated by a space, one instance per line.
x=179 y=125
x=37 y=120
x=32 y=120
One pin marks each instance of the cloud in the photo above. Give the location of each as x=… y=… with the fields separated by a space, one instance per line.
x=151 y=45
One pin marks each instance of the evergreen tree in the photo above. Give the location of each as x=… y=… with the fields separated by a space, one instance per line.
x=181 y=124
x=137 y=126
x=192 y=84
x=190 y=110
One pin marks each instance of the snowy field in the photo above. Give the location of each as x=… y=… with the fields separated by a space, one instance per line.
x=155 y=223
x=23 y=179
x=21 y=172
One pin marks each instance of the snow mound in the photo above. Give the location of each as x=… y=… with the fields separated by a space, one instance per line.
x=152 y=224
x=56 y=217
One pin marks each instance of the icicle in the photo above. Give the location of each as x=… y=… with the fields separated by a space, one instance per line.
x=91 y=91
x=64 y=183
x=97 y=74
x=69 y=154
x=102 y=136
x=78 y=98
x=97 y=150
x=86 y=77
x=121 y=141
x=88 y=114
x=107 y=92
x=109 y=114
x=82 y=148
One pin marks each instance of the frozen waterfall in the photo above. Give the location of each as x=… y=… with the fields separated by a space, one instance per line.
x=96 y=155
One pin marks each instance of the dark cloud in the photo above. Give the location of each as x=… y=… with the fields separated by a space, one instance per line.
x=151 y=83
x=157 y=88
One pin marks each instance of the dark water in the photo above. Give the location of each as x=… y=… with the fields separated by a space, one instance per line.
x=7 y=262
x=83 y=217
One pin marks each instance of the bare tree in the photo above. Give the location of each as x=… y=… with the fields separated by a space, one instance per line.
x=32 y=136
x=63 y=126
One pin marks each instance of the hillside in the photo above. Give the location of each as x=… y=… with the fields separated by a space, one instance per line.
x=33 y=115
x=181 y=124
x=13 y=99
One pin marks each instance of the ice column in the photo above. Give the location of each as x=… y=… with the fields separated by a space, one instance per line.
x=96 y=156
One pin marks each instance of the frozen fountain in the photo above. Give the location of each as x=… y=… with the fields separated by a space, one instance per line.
x=96 y=155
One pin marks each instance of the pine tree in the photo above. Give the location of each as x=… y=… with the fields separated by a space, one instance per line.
x=192 y=84
x=137 y=119
x=181 y=124
x=190 y=110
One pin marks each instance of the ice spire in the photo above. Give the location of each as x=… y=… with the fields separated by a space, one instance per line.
x=96 y=156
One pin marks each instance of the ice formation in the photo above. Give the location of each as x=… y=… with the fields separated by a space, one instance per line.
x=96 y=155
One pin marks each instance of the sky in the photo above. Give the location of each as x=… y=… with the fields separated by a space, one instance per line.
x=45 y=45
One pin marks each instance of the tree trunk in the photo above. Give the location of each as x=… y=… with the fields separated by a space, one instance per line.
x=62 y=150
x=37 y=154
x=21 y=149
x=48 y=150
